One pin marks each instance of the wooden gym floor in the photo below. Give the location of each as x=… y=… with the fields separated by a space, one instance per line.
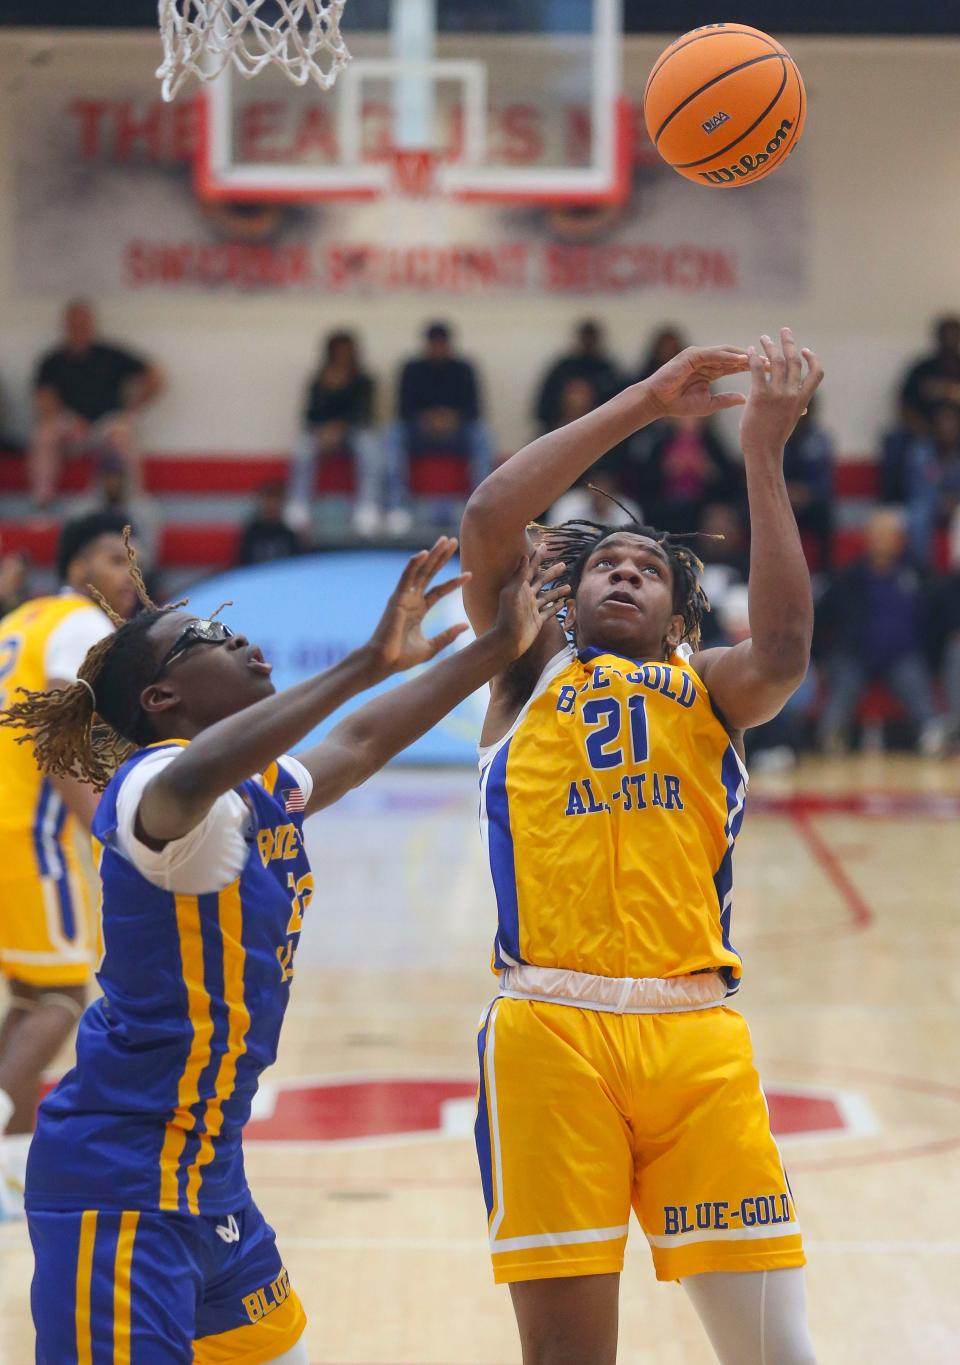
x=361 y=1152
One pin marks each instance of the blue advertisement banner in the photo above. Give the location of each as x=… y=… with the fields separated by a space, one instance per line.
x=306 y=614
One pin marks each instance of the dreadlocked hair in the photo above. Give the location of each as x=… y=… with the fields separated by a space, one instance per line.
x=573 y=543
x=88 y=729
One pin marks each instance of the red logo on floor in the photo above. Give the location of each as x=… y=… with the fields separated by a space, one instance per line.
x=338 y=1110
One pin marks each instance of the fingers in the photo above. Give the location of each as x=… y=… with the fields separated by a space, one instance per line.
x=444 y=548
x=758 y=370
x=716 y=361
x=410 y=576
x=522 y=572
x=444 y=589
x=540 y=575
x=813 y=377
x=549 y=603
x=778 y=366
x=791 y=357
x=446 y=637
x=719 y=402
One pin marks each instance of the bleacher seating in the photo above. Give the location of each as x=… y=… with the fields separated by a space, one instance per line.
x=205 y=498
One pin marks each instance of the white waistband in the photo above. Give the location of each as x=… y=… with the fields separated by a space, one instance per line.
x=614 y=994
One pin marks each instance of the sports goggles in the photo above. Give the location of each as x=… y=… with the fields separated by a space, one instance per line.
x=196 y=633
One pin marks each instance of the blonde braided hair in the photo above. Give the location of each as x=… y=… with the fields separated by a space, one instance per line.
x=64 y=725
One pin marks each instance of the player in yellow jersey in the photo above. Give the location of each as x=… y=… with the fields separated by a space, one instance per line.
x=613 y=1071
x=47 y=932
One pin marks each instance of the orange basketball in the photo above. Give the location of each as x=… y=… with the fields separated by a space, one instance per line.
x=725 y=105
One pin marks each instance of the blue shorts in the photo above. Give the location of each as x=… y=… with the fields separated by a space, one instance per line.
x=160 y=1289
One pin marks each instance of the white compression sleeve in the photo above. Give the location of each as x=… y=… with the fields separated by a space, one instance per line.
x=754 y=1317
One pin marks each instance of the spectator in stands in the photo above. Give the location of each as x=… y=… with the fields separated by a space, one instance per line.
x=687 y=468
x=87 y=396
x=14 y=581
x=772 y=747
x=588 y=362
x=577 y=397
x=338 y=419
x=932 y=481
x=665 y=343
x=439 y=411
x=873 y=616
x=588 y=501
x=947 y=618
x=808 y=471
x=935 y=379
x=8 y=441
x=902 y=446
x=266 y=536
x=722 y=546
x=114 y=492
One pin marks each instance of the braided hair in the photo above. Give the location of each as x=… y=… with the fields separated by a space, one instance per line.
x=575 y=541
x=88 y=729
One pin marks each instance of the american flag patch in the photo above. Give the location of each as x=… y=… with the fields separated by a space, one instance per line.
x=293 y=799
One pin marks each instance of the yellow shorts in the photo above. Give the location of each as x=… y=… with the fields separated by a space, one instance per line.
x=47 y=933
x=584 y=1114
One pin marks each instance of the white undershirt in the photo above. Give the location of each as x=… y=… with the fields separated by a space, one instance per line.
x=213 y=854
x=67 y=643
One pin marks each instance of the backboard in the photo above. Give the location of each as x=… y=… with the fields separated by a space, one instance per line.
x=468 y=99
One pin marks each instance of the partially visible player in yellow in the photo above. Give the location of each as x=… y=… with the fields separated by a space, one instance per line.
x=47 y=930
x=614 y=1073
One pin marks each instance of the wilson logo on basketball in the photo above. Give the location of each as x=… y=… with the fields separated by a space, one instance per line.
x=712 y=124
x=748 y=165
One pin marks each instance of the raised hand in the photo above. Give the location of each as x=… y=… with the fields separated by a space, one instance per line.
x=526 y=604
x=681 y=387
x=398 y=641
x=779 y=394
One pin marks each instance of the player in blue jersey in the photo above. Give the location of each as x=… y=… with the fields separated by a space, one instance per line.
x=147 y=1244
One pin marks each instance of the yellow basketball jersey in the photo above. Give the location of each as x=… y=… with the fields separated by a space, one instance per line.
x=24 y=634
x=47 y=924
x=609 y=814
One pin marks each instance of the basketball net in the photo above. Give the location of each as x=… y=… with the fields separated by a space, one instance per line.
x=201 y=36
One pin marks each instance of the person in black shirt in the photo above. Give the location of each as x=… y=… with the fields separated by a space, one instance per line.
x=266 y=536
x=338 y=417
x=438 y=405
x=86 y=396
x=934 y=380
x=587 y=361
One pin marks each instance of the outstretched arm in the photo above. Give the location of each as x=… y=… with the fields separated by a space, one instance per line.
x=221 y=757
x=750 y=682
x=495 y=522
x=360 y=745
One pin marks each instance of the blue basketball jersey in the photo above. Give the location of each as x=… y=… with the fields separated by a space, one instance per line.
x=194 y=994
